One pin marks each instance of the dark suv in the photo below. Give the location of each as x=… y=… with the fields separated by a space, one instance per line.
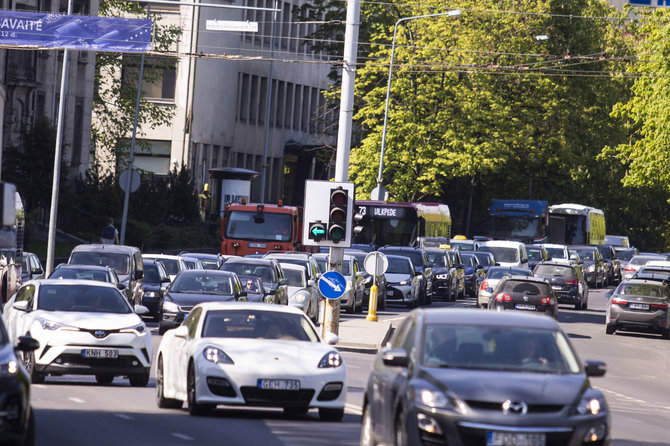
x=531 y=294
x=612 y=262
x=268 y=270
x=594 y=267
x=445 y=282
x=420 y=261
x=567 y=282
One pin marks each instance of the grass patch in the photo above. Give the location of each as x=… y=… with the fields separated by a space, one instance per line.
x=39 y=247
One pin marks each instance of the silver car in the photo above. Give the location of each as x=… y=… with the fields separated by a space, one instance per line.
x=635 y=264
x=352 y=299
x=403 y=285
x=302 y=292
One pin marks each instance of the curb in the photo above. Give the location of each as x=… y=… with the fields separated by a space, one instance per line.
x=372 y=349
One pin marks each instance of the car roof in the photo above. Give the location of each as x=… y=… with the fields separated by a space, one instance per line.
x=285 y=254
x=251 y=261
x=641 y=281
x=554 y=245
x=528 y=279
x=200 y=255
x=200 y=272
x=293 y=266
x=582 y=247
x=501 y=243
x=70 y=282
x=94 y=247
x=209 y=306
x=565 y=263
x=163 y=256
x=82 y=266
x=463 y=316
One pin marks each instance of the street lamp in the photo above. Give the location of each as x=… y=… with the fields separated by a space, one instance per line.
x=379 y=189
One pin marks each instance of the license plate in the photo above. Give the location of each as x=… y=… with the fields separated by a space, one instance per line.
x=556 y=287
x=279 y=384
x=100 y=354
x=524 y=307
x=256 y=245
x=515 y=439
x=639 y=306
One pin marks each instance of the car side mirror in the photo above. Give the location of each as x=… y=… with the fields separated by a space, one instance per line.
x=331 y=338
x=181 y=332
x=283 y=281
x=120 y=286
x=21 y=305
x=141 y=309
x=595 y=368
x=27 y=344
x=395 y=358
x=311 y=283
x=138 y=275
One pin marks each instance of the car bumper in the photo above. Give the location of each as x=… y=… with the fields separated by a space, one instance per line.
x=222 y=384
x=400 y=294
x=483 y=297
x=654 y=320
x=460 y=430
x=544 y=309
x=441 y=287
x=569 y=295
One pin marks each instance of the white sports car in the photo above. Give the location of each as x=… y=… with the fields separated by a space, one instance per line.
x=84 y=327
x=250 y=354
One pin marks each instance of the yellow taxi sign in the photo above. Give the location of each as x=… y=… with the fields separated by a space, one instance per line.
x=443 y=246
x=460 y=237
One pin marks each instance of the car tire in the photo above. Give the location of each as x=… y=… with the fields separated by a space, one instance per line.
x=400 y=436
x=296 y=411
x=162 y=329
x=28 y=437
x=367 y=431
x=158 y=316
x=194 y=408
x=104 y=379
x=161 y=401
x=139 y=380
x=610 y=329
x=328 y=414
x=29 y=363
x=665 y=333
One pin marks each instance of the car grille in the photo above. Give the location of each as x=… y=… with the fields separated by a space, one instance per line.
x=393 y=293
x=497 y=407
x=74 y=360
x=254 y=396
x=99 y=334
x=220 y=387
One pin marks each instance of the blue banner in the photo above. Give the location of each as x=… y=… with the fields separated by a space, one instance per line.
x=74 y=32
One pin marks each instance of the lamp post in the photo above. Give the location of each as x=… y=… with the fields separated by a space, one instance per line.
x=453 y=13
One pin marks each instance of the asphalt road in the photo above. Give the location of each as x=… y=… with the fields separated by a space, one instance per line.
x=76 y=411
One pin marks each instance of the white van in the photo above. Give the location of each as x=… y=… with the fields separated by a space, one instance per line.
x=506 y=253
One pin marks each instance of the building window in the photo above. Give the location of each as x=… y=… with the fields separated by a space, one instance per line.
x=281 y=104
x=288 y=114
x=159 y=78
x=253 y=107
x=153 y=156
x=313 y=110
x=263 y=99
x=244 y=98
x=305 y=109
x=297 y=106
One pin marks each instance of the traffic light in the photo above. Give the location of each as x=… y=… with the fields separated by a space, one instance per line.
x=360 y=220
x=337 y=215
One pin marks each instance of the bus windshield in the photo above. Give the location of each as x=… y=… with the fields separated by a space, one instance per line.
x=501 y=226
x=272 y=227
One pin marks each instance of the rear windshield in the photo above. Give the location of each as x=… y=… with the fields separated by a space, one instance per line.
x=519 y=287
x=497 y=273
x=502 y=254
x=642 y=260
x=398 y=266
x=625 y=254
x=119 y=262
x=555 y=271
x=640 y=289
x=265 y=272
x=556 y=253
x=534 y=253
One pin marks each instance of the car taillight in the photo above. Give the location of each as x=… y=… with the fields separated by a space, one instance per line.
x=500 y=297
x=629 y=269
x=548 y=301
x=663 y=305
x=484 y=285
x=619 y=302
x=572 y=282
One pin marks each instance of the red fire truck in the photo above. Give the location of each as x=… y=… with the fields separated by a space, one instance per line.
x=254 y=228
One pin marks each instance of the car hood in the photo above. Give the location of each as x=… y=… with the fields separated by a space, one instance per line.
x=295 y=289
x=92 y=321
x=190 y=299
x=396 y=278
x=496 y=386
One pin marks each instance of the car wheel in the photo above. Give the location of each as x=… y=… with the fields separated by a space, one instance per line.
x=162 y=329
x=159 y=315
x=665 y=333
x=400 y=434
x=610 y=329
x=382 y=304
x=29 y=363
x=367 y=432
x=296 y=411
x=194 y=408
x=161 y=401
x=104 y=379
x=327 y=414
x=28 y=437
x=139 y=380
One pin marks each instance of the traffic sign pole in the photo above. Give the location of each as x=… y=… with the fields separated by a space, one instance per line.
x=331 y=308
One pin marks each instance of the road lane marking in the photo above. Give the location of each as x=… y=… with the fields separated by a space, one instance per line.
x=76 y=400
x=38 y=386
x=123 y=416
x=182 y=436
x=353 y=408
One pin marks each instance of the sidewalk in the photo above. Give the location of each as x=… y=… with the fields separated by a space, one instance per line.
x=362 y=336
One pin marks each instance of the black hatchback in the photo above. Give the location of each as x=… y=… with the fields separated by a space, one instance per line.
x=524 y=294
x=470 y=377
x=567 y=282
x=17 y=422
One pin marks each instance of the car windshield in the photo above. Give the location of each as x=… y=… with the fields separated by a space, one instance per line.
x=534 y=253
x=252 y=284
x=399 y=266
x=346 y=268
x=625 y=254
x=585 y=254
x=265 y=272
x=484 y=258
x=72 y=273
x=323 y=264
x=151 y=273
x=295 y=277
x=415 y=256
x=518 y=287
x=202 y=284
x=498 y=348
x=118 y=262
x=171 y=266
x=462 y=245
x=209 y=263
x=437 y=259
x=554 y=270
x=83 y=298
x=469 y=260
x=502 y=254
x=606 y=252
x=254 y=324
x=268 y=226
x=556 y=253
x=640 y=289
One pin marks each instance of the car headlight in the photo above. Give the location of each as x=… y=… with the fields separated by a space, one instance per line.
x=151 y=294
x=46 y=324
x=170 y=307
x=300 y=297
x=348 y=285
x=442 y=276
x=9 y=368
x=139 y=330
x=591 y=405
x=216 y=355
x=428 y=395
x=591 y=268
x=404 y=282
x=330 y=359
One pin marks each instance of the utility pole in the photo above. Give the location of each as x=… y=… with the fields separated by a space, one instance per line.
x=331 y=316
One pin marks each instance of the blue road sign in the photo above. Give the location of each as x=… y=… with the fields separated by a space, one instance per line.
x=332 y=285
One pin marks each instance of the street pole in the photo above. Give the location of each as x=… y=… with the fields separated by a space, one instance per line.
x=268 y=100
x=453 y=13
x=332 y=306
x=55 y=188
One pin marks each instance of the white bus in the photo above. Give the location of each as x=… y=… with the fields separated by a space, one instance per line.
x=576 y=224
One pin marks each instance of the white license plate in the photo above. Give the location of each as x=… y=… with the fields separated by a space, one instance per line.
x=556 y=287
x=639 y=306
x=279 y=384
x=256 y=245
x=100 y=354
x=524 y=307
x=515 y=439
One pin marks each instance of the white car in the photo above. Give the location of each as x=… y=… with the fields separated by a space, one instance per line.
x=173 y=264
x=84 y=327
x=302 y=292
x=250 y=354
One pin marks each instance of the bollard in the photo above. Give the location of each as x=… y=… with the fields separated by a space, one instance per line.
x=372 y=304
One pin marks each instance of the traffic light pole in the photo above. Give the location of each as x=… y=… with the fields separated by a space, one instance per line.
x=331 y=313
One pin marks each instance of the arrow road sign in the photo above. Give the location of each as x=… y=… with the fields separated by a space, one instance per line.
x=332 y=285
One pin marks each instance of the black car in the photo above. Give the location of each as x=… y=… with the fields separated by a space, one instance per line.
x=524 y=294
x=156 y=281
x=567 y=282
x=470 y=377
x=31 y=267
x=474 y=273
x=594 y=267
x=536 y=254
x=458 y=271
x=17 y=422
x=194 y=286
x=445 y=282
x=254 y=289
x=420 y=262
x=268 y=270
x=612 y=263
